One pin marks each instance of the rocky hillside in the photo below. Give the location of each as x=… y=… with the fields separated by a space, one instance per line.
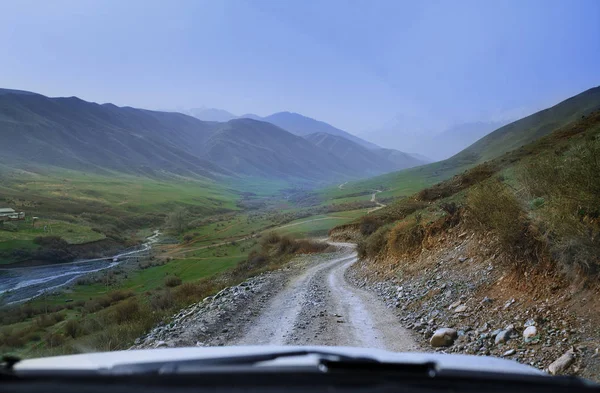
x=500 y=260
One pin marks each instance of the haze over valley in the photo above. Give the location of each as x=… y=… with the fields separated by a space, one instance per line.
x=400 y=176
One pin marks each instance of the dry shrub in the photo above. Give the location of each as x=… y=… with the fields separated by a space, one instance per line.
x=73 y=328
x=126 y=311
x=406 y=236
x=117 y=296
x=493 y=206
x=270 y=238
x=369 y=224
x=172 y=281
x=569 y=183
x=162 y=300
x=457 y=183
x=306 y=246
x=47 y=320
x=54 y=339
x=374 y=244
x=193 y=291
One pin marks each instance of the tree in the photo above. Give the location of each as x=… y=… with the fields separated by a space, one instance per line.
x=177 y=221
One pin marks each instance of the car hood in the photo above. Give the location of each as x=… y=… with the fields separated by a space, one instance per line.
x=105 y=360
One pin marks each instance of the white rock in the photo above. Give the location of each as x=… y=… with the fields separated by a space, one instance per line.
x=561 y=364
x=455 y=304
x=529 y=333
x=461 y=308
x=443 y=337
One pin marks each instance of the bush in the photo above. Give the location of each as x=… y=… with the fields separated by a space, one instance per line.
x=369 y=224
x=569 y=184
x=9 y=226
x=492 y=206
x=117 y=296
x=193 y=291
x=172 y=281
x=162 y=301
x=54 y=339
x=126 y=311
x=406 y=236
x=374 y=244
x=73 y=328
x=47 y=320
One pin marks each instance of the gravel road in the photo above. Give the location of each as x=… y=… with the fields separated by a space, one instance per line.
x=320 y=307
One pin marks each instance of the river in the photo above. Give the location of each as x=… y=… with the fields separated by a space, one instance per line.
x=22 y=284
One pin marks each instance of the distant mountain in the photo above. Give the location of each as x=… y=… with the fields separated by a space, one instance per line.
x=360 y=158
x=258 y=148
x=250 y=116
x=301 y=125
x=528 y=129
x=509 y=137
x=71 y=133
x=428 y=142
x=402 y=160
x=211 y=114
x=457 y=138
x=39 y=132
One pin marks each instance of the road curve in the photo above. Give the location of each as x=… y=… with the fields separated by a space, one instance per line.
x=321 y=307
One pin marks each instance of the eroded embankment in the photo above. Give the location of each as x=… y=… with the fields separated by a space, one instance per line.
x=462 y=280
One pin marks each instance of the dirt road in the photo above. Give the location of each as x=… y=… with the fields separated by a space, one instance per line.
x=374 y=200
x=320 y=307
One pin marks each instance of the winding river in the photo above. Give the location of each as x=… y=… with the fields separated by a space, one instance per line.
x=22 y=284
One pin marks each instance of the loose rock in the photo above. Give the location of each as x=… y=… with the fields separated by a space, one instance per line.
x=443 y=337
x=561 y=364
x=529 y=333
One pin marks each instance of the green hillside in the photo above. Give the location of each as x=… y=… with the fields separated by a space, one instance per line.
x=501 y=141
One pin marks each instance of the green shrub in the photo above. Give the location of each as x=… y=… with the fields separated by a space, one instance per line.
x=172 y=281
x=9 y=226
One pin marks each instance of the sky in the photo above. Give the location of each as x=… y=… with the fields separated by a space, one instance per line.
x=359 y=65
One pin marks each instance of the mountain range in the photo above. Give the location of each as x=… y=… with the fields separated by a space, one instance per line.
x=70 y=133
x=292 y=122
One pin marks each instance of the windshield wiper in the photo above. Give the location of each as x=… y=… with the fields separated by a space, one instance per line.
x=326 y=362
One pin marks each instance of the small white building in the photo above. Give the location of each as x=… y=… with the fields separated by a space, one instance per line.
x=8 y=214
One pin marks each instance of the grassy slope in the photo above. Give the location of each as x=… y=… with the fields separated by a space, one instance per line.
x=505 y=167
x=505 y=139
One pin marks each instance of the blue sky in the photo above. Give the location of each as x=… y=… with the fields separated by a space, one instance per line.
x=356 y=64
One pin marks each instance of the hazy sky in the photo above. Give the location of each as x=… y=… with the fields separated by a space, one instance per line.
x=355 y=64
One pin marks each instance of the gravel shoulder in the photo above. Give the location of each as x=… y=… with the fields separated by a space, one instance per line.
x=311 y=302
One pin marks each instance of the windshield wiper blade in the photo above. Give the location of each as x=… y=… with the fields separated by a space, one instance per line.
x=327 y=359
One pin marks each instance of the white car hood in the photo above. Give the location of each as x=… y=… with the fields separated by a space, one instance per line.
x=102 y=360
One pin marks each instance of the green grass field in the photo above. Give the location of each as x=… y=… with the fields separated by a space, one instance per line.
x=72 y=233
x=317 y=226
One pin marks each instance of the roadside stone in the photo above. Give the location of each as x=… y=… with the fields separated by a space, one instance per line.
x=443 y=337
x=529 y=333
x=461 y=308
x=510 y=352
x=455 y=304
x=502 y=337
x=561 y=364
